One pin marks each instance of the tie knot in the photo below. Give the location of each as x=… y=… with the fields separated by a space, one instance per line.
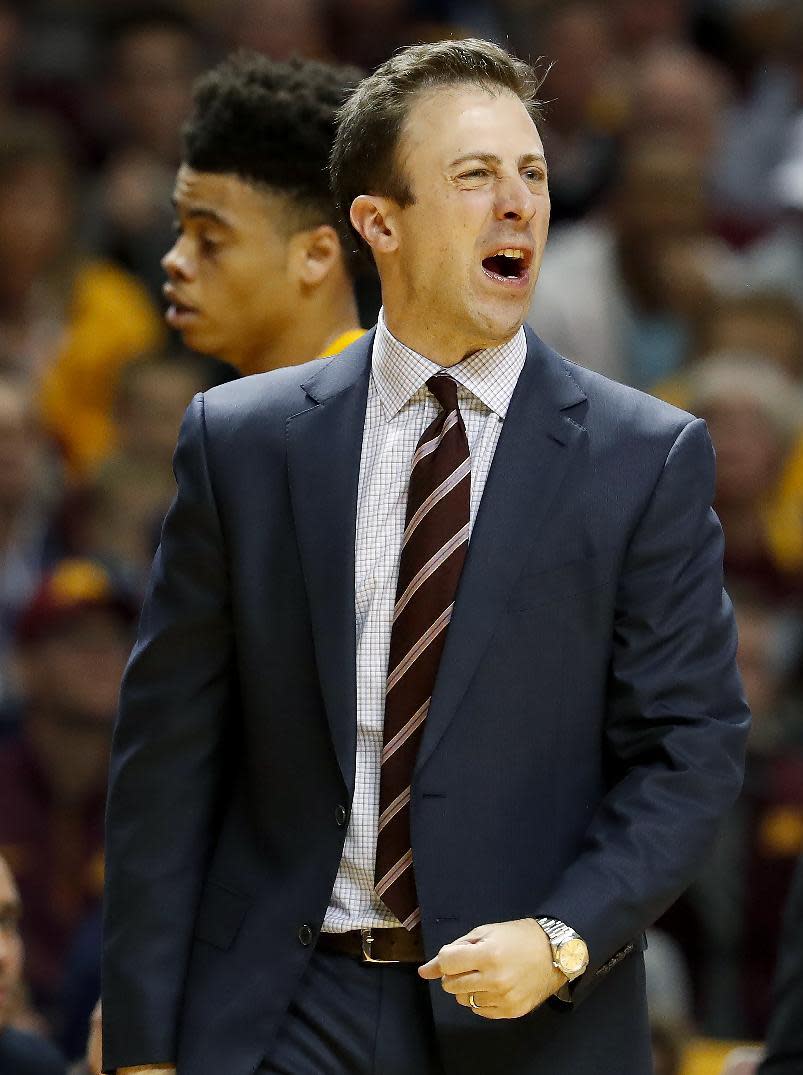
x=444 y=389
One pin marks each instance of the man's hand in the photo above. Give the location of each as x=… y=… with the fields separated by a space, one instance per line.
x=507 y=966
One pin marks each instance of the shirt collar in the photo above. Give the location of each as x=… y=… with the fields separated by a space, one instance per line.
x=490 y=375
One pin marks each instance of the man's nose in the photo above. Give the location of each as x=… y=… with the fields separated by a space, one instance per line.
x=515 y=201
x=175 y=262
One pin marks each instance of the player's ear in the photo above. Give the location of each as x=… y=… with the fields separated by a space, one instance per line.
x=374 y=218
x=314 y=253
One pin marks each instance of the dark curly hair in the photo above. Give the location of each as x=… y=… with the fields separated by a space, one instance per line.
x=271 y=124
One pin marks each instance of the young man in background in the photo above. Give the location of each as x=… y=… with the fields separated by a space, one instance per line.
x=258 y=274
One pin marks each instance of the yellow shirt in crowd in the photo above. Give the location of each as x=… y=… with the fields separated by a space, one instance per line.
x=111 y=321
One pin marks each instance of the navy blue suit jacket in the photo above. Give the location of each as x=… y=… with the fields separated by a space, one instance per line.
x=586 y=730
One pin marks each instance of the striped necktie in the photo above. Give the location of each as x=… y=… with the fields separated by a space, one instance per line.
x=432 y=554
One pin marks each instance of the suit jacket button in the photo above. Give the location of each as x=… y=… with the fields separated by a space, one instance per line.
x=305 y=935
x=340 y=816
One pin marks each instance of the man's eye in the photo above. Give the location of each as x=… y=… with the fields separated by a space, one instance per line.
x=208 y=246
x=534 y=175
x=475 y=173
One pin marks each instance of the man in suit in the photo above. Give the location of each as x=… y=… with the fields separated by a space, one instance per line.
x=434 y=706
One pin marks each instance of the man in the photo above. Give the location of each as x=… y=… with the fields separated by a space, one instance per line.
x=302 y=785
x=21 y=1053
x=258 y=275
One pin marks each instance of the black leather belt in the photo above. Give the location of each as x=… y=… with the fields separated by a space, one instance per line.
x=377 y=945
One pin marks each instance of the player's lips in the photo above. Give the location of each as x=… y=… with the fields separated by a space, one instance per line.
x=179 y=313
x=508 y=265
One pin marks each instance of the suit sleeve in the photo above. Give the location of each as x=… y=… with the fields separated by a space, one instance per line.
x=676 y=723
x=168 y=768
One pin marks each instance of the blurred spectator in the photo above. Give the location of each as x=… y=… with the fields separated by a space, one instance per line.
x=767 y=325
x=757 y=121
x=365 y=32
x=669 y=991
x=678 y=92
x=259 y=274
x=29 y=499
x=776 y=261
x=80 y=987
x=578 y=143
x=669 y=1000
x=66 y=323
x=755 y=419
x=785 y=1034
x=21 y=1053
x=152 y=55
x=280 y=29
x=739 y=895
x=667 y=1048
x=639 y=26
x=92 y=1061
x=621 y=293
x=72 y=643
x=10 y=41
x=117 y=515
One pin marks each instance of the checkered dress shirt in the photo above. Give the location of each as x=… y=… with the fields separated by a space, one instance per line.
x=399 y=409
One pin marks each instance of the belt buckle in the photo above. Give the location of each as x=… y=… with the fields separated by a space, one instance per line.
x=367 y=939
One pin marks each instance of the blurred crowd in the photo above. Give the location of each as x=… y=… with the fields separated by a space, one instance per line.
x=674 y=136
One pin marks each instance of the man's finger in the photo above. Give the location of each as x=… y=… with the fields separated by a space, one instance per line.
x=435 y=968
x=431 y=970
x=454 y=958
x=479 y=933
x=460 y=957
x=482 y=1001
x=463 y=983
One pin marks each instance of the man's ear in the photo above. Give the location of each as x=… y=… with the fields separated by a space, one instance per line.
x=313 y=254
x=374 y=219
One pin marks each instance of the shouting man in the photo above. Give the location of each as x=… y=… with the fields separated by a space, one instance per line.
x=434 y=706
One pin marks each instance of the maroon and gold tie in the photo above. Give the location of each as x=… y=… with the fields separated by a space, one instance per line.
x=432 y=554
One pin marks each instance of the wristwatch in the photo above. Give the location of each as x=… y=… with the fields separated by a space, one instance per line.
x=569 y=950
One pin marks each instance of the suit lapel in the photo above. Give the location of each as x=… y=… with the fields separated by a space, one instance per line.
x=535 y=448
x=324 y=444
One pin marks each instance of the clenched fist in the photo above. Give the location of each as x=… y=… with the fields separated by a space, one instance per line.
x=505 y=968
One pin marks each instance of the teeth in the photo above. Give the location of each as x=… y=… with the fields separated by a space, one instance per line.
x=511 y=252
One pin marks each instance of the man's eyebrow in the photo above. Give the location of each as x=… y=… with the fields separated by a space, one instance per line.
x=532 y=158
x=201 y=212
x=492 y=159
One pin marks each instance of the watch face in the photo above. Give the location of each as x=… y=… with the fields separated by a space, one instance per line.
x=573 y=957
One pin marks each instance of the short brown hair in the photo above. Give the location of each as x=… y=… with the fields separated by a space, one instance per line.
x=371 y=121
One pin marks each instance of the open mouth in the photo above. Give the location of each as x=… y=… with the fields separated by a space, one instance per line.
x=178 y=313
x=508 y=264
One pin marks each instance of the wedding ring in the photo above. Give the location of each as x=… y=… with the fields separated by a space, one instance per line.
x=472 y=1002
